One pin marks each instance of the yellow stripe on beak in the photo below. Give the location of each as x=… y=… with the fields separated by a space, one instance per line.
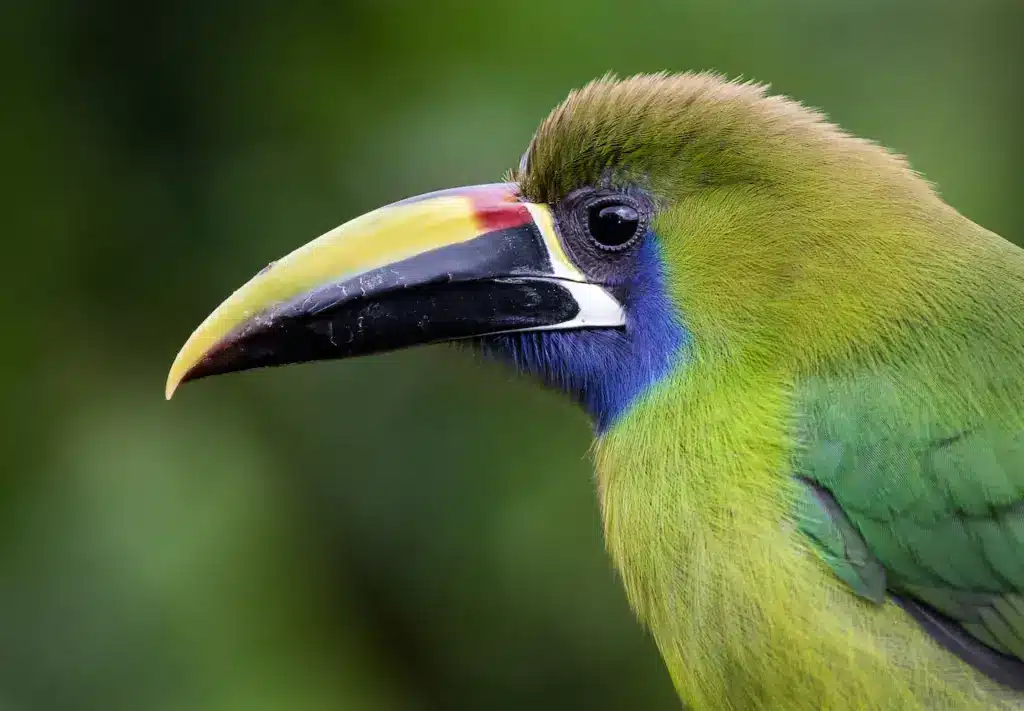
x=372 y=240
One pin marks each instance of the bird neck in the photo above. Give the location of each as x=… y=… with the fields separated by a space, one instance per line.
x=691 y=494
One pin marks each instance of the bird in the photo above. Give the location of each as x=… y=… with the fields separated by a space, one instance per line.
x=802 y=367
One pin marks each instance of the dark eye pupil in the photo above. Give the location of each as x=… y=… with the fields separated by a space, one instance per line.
x=613 y=225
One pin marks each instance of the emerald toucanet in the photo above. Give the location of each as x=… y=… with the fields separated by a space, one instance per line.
x=803 y=367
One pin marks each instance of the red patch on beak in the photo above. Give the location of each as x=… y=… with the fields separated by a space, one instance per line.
x=498 y=208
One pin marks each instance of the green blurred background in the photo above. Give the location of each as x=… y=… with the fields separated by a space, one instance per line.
x=414 y=531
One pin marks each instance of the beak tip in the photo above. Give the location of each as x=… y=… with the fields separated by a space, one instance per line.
x=175 y=377
x=186 y=363
x=171 y=386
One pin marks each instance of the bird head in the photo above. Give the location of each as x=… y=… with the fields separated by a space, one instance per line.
x=651 y=221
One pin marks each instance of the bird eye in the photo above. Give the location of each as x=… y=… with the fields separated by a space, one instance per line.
x=613 y=226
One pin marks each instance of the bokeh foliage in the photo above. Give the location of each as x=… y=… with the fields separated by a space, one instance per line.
x=415 y=531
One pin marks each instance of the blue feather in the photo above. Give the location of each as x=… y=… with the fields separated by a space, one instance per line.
x=606 y=370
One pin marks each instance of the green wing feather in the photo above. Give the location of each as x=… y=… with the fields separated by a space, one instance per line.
x=838 y=542
x=918 y=485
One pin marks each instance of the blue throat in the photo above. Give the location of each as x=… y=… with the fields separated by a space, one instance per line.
x=606 y=370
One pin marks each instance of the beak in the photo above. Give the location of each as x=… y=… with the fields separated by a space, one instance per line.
x=453 y=264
